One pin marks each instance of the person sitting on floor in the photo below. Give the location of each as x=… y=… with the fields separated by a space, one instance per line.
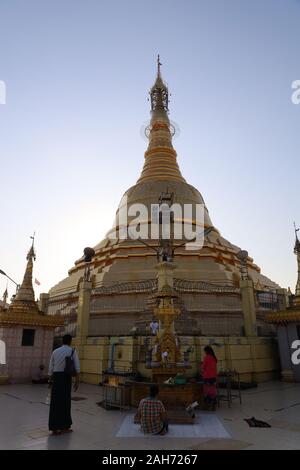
x=152 y=414
x=40 y=377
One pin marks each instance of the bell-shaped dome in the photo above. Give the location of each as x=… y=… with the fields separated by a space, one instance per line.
x=120 y=259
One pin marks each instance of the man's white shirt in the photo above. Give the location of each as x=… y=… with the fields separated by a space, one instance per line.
x=58 y=359
x=154 y=327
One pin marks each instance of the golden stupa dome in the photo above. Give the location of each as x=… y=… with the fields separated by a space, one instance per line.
x=119 y=260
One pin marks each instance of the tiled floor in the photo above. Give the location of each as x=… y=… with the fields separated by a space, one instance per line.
x=206 y=425
x=24 y=416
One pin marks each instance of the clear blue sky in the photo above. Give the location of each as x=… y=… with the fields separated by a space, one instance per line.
x=77 y=76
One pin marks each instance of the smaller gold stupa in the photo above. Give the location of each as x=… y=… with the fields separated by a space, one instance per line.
x=26 y=332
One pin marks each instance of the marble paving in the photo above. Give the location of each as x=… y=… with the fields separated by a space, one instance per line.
x=24 y=418
x=205 y=425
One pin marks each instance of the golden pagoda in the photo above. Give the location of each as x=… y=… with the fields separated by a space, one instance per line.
x=123 y=272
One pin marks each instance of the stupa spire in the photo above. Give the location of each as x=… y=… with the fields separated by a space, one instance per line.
x=158 y=65
x=297 y=252
x=160 y=157
x=5 y=297
x=159 y=93
x=25 y=294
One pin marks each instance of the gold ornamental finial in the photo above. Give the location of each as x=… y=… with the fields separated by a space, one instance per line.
x=5 y=296
x=297 y=252
x=158 y=65
x=25 y=294
x=159 y=93
x=31 y=253
x=297 y=244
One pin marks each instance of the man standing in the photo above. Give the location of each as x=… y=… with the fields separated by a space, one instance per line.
x=60 y=420
x=154 y=327
x=152 y=414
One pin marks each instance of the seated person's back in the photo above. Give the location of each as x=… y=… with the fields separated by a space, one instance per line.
x=152 y=414
x=39 y=376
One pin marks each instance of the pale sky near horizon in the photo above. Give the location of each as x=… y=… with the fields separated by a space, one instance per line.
x=78 y=74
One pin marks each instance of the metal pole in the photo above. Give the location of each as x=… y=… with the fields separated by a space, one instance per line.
x=4 y=274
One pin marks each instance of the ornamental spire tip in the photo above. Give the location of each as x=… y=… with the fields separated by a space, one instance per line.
x=158 y=65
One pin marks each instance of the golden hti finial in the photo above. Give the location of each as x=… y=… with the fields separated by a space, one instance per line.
x=25 y=296
x=159 y=93
x=297 y=253
x=5 y=296
x=31 y=253
x=296 y=230
x=297 y=243
x=158 y=65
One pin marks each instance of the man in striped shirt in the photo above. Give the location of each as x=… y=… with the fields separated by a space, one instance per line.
x=152 y=414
